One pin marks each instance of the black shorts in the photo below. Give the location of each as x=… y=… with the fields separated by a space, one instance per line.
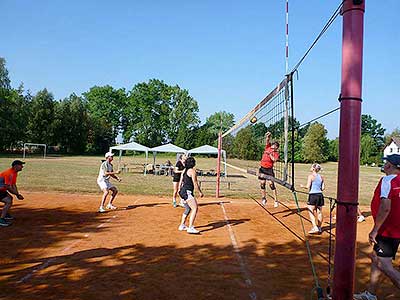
x=186 y=194
x=4 y=194
x=316 y=199
x=265 y=171
x=386 y=246
x=177 y=177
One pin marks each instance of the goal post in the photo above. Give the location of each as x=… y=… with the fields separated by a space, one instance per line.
x=34 y=145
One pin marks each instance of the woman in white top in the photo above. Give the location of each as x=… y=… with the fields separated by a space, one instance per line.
x=315 y=186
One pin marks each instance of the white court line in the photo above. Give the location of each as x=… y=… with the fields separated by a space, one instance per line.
x=239 y=257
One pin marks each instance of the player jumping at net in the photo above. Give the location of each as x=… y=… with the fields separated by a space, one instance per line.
x=187 y=184
x=315 y=186
x=266 y=171
x=103 y=180
x=9 y=185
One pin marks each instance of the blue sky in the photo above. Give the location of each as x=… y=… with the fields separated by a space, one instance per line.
x=228 y=54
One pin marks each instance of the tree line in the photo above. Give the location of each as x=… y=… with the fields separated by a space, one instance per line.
x=151 y=113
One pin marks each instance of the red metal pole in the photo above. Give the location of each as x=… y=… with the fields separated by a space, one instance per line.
x=218 y=164
x=349 y=149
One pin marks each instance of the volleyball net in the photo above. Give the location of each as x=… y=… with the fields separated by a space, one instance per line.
x=274 y=114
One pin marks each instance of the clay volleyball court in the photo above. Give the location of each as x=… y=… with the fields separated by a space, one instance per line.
x=60 y=248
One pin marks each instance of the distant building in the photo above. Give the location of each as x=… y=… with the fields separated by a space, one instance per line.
x=393 y=147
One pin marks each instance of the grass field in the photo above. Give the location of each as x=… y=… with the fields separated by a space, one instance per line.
x=77 y=174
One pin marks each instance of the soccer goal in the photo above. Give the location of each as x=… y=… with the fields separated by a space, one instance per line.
x=32 y=149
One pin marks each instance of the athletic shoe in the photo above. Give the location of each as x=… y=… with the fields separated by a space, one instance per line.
x=9 y=217
x=264 y=201
x=102 y=210
x=4 y=223
x=365 y=296
x=182 y=227
x=360 y=219
x=276 y=204
x=314 y=230
x=110 y=206
x=174 y=203
x=192 y=230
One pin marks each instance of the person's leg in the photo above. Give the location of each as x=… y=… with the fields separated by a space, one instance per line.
x=114 y=193
x=182 y=226
x=311 y=210
x=263 y=192
x=385 y=265
x=8 y=200
x=175 y=193
x=274 y=193
x=193 y=206
x=320 y=216
x=103 y=198
x=375 y=275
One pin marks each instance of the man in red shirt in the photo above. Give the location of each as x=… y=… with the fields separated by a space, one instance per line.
x=8 y=184
x=266 y=171
x=385 y=235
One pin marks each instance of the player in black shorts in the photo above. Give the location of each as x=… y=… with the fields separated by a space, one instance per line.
x=178 y=170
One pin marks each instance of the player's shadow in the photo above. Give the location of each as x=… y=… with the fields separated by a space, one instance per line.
x=221 y=223
x=133 y=206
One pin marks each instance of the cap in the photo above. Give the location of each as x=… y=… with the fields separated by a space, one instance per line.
x=108 y=154
x=17 y=162
x=394 y=159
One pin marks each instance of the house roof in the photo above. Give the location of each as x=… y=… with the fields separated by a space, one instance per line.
x=396 y=140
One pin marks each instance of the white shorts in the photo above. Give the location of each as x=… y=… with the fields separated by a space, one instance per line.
x=104 y=184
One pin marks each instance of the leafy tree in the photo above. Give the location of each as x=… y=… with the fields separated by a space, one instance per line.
x=315 y=144
x=40 y=125
x=105 y=106
x=71 y=124
x=220 y=121
x=333 y=154
x=245 y=146
x=374 y=129
x=394 y=133
x=5 y=82
x=368 y=149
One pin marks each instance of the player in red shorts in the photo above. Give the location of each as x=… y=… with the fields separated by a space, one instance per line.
x=385 y=235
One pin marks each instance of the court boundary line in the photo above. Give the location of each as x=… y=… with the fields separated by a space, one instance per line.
x=239 y=257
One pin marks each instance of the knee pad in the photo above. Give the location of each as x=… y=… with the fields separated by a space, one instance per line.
x=262 y=186
x=272 y=185
x=187 y=209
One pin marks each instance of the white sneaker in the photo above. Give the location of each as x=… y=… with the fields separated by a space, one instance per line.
x=276 y=204
x=365 y=296
x=182 y=227
x=264 y=201
x=360 y=219
x=102 y=210
x=110 y=206
x=192 y=230
x=314 y=230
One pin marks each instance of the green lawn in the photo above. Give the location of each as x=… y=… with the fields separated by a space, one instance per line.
x=78 y=174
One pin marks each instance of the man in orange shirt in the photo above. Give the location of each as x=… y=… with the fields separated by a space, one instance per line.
x=8 y=184
x=270 y=156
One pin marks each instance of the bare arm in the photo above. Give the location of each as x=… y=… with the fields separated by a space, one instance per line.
x=267 y=138
x=181 y=180
x=309 y=182
x=322 y=184
x=195 y=182
x=14 y=190
x=383 y=212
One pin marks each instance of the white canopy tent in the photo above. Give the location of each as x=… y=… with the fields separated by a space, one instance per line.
x=207 y=149
x=168 y=148
x=132 y=146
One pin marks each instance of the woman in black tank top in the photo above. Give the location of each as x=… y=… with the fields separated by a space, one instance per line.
x=178 y=170
x=187 y=185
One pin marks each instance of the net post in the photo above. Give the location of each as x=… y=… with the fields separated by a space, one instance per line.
x=218 y=165
x=349 y=149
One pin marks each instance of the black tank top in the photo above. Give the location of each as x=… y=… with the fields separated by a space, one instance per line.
x=180 y=167
x=187 y=184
